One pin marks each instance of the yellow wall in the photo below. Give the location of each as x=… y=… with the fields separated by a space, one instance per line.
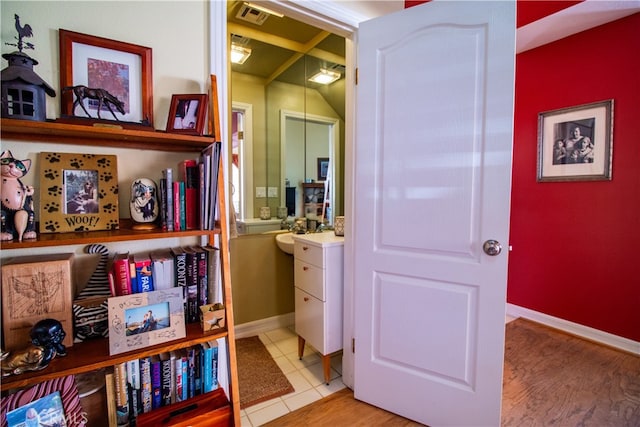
x=262 y=281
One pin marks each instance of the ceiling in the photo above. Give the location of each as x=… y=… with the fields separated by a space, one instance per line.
x=283 y=49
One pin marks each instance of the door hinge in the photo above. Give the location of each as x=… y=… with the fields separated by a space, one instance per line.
x=353 y=345
x=356 y=76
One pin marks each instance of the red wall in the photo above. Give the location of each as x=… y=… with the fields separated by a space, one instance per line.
x=575 y=243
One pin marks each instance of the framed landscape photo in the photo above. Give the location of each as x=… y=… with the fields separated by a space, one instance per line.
x=144 y=319
x=122 y=69
x=576 y=143
x=78 y=192
x=187 y=114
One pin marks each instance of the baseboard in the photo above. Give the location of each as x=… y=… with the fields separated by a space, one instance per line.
x=258 y=327
x=582 y=331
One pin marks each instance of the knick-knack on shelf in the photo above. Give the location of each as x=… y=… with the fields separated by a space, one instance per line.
x=144 y=207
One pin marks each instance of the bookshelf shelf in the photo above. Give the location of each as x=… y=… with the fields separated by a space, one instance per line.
x=94 y=354
x=63 y=133
x=125 y=233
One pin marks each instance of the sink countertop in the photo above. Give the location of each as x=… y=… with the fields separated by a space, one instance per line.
x=326 y=238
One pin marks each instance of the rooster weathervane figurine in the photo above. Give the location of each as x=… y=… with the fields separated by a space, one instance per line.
x=23 y=31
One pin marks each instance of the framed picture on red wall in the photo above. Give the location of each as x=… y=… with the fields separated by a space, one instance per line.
x=576 y=143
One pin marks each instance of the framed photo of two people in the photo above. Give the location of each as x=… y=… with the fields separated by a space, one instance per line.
x=576 y=143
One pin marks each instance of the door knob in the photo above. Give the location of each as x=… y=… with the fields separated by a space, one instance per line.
x=492 y=247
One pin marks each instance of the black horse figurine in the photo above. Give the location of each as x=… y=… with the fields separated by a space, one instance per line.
x=102 y=96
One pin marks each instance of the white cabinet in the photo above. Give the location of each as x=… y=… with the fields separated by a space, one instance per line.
x=318 y=276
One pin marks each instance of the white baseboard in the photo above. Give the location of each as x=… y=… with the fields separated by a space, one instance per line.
x=264 y=325
x=575 y=329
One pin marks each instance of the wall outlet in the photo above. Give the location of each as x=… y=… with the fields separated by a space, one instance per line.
x=273 y=192
x=261 y=192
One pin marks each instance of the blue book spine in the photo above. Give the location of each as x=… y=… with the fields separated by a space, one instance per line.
x=207 y=368
x=156 y=383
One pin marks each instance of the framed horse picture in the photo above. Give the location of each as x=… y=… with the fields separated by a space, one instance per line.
x=106 y=80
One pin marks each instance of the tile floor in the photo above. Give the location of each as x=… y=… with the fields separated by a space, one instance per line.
x=306 y=377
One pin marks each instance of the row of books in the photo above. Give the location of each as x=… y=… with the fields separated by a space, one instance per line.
x=188 y=200
x=195 y=268
x=142 y=385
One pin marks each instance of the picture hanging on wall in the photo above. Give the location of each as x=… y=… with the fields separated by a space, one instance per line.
x=576 y=143
x=78 y=192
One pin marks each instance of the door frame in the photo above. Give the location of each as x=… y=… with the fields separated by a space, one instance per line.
x=246 y=159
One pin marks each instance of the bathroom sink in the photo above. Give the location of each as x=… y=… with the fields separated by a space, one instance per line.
x=285 y=242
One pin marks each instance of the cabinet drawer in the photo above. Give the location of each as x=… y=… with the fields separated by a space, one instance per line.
x=309 y=278
x=309 y=319
x=308 y=253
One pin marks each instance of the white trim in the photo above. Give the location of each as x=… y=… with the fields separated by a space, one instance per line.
x=246 y=159
x=582 y=331
x=257 y=327
x=572 y=20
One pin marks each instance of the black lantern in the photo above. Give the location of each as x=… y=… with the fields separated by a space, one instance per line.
x=23 y=91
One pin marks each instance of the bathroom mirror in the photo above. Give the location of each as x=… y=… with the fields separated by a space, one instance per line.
x=282 y=123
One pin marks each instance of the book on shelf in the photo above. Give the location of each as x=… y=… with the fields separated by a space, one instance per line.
x=182 y=375
x=162 y=269
x=156 y=382
x=193 y=315
x=133 y=381
x=145 y=383
x=167 y=176
x=143 y=272
x=191 y=372
x=176 y=387
x=213 y=190
x=209 y=366
x=202 y=274
x=122 y=274
x=122 y=396
x=190 y=175
x=204 y=167
x=167 y=369
x=110 y=392
x=213 y=273
x=179 y=219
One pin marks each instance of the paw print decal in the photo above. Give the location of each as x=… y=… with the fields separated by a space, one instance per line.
x=51 y=174
x=55 y=190
x=113 y=224
x=109 y=208
x=52 y=207
x=52 y=158
x=106 y=177
x=52 y=226
x=104 y=162
x=76 y=163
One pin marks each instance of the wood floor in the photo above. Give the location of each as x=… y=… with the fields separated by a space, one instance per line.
x=550 y=379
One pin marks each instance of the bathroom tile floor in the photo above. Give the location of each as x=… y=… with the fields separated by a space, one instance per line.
x=306 y=376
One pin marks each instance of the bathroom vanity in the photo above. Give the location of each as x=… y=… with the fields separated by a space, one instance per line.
x=318 y=278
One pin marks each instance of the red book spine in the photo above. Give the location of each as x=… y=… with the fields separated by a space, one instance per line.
x=122 y=275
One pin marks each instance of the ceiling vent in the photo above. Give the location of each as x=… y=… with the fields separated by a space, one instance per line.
x=251 y=14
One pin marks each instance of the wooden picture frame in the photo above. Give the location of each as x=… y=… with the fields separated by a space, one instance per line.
x=34 y=288
x=78 y=192
x=323 y=168
x=187 y=114
x=576 y=143
x=130 y=327
x=86 y=60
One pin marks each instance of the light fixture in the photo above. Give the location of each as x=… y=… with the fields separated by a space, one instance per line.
x=325 y=77
x=263 y=9
x=239 y=54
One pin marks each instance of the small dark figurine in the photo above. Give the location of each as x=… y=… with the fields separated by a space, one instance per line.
x=46 y=339
x=102 y=96
x=17 y=200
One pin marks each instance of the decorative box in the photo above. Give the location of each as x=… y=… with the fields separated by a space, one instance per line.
x=212 y=317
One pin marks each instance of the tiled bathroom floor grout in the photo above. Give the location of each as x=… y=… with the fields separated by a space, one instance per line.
x=306 y=376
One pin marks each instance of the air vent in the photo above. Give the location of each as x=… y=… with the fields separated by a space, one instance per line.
x=250 y=14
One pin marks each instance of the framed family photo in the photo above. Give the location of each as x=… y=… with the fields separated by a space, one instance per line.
x=122 y=69
x=78 y=192
x=145 y=319
x=576 y=143
x=187 y=114
x=323 y=168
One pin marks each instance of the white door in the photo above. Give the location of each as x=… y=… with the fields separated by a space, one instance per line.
x=432 y=184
